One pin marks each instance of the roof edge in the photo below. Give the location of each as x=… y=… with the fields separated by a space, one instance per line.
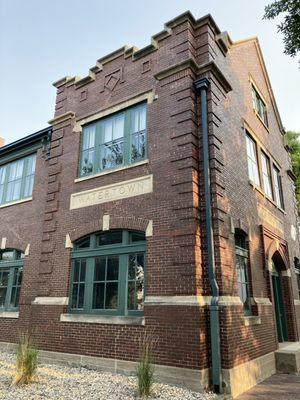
x=25 y=141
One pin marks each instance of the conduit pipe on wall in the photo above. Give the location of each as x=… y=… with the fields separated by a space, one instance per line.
x=202 y=86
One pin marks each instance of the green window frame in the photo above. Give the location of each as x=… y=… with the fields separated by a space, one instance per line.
x=259 y=106
x=242 y=262
x=17 y=179
x=114 y=141
x=11 y=272
x=108 y=274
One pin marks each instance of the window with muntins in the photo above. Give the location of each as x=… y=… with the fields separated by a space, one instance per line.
x=278 y=187
x=11 y=271
x=241 y=256
x=252 y=160
x=108 y=274
x=114 y=141
x=259 y=106
x=17 y=179
x=266 y=175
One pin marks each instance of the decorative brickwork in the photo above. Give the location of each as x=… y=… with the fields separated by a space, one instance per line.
x=172 y=213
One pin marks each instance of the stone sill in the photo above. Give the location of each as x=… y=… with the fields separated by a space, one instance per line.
x=259 y=189
x=9 y=314
x=13 y=203
x=102 y=319
x=111 y=171
x=252 y=320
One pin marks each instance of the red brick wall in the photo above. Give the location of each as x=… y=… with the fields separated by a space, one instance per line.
x=176 y=253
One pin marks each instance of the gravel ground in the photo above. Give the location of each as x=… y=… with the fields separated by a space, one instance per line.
x=69 y=383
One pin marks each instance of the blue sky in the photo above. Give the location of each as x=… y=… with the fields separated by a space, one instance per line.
x=44 y=40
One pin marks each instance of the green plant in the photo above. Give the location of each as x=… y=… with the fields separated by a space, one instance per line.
x=145 y=367
x=27 y=360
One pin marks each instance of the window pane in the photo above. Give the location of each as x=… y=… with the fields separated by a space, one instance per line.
x=266 y=175
x=83 y=243
x=113 y=268
x=7 y=255
x=78 y=284
x=135 y=295
x=138 y=133
x=107 y=238
x=111 y=298
x=100 y=268
x=241 y=270
x=88 y=149
x=4 y=274
x=16 y=288
x=252 y=160
x=98 y=296
x=277 y=187
x=137 y=237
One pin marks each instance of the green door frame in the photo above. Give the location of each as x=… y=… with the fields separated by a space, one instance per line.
x=279 y=308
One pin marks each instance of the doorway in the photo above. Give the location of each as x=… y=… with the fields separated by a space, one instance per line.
x=279 y=304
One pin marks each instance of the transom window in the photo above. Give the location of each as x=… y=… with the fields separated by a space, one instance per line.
x=17 y=179
x=266 y=174
x=252 y=160
x=11 y=271
x=259 y=106
x=114 y=141
x=241 y=256
x=108 y=273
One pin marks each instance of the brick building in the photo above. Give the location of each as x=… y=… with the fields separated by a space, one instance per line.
x=162 y=201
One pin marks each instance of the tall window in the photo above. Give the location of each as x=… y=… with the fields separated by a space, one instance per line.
x=11 y=269
x=252 y=160
x=277 y=187
x=17 y=179
x=266 y=174
x=241 y=255
x=114 y=141
x=108 y=274
x=259 y=106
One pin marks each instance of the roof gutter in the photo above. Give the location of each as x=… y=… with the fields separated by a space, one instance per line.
x=202 y=86
x=26 y=141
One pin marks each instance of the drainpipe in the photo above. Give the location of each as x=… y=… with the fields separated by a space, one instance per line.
x=202 y=86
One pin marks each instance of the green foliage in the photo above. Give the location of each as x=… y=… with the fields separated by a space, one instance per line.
x=145 y=368
x=290 y=26
x=27 y=360
x=293 y=141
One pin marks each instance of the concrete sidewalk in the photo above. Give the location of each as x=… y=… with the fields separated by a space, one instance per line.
x=277 y=387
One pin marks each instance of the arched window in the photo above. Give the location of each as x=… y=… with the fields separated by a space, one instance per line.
x=108 y=270
x=11 y=270
x=241 y=256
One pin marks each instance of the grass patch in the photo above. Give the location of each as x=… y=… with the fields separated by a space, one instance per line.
x=27 y=360
x=145 y=367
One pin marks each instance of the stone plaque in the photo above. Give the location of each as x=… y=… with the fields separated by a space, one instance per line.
x=266 y=216
x=116 y=191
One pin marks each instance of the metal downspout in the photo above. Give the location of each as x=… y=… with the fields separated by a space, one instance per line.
x=202 y=86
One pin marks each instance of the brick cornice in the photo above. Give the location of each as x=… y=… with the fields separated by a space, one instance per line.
x=62 y=118
x=209 y=67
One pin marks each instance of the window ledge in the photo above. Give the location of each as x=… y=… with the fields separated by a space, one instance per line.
x=102 y=319
x=12 y=203
x=252 y=320
x=111 y=171
x=258 y=188
x=9 y=314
